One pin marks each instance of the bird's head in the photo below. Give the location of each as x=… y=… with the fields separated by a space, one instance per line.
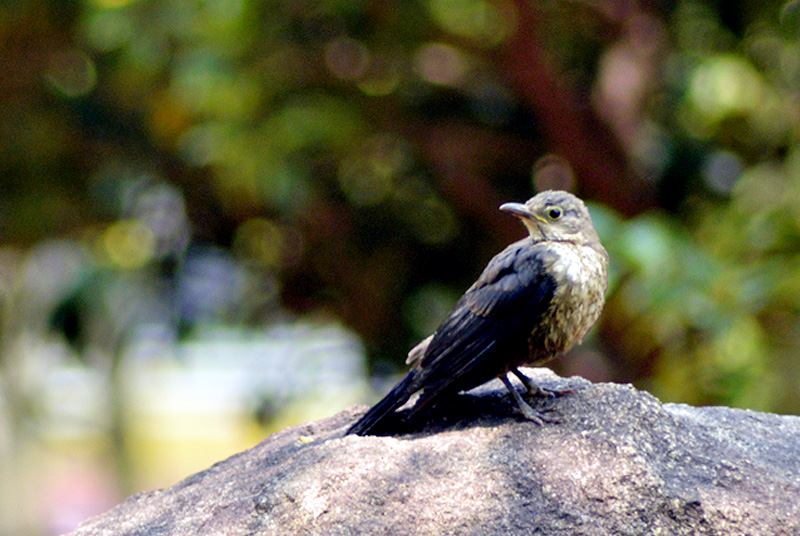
x=555 y=215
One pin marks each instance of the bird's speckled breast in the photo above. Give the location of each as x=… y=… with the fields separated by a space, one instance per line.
x=580 y=273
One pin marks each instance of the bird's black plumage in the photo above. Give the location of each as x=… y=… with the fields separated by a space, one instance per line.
x=493 y=319
x=533 y=301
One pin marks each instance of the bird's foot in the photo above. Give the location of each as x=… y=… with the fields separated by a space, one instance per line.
x=536 y=416
x=527 y=411
x=536 y=390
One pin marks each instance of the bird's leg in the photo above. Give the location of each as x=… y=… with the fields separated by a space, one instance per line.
x=529 y=413
x=536 y=390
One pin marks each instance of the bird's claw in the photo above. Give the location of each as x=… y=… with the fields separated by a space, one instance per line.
x=538 y=390
x=538 y=417
x=527 y=411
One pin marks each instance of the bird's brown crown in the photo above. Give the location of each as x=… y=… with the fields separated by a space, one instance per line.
x=555 y=215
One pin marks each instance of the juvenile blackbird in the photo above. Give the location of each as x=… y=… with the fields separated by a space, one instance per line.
x=534 y=301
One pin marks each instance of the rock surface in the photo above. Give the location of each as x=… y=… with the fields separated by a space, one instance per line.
x=618 y=463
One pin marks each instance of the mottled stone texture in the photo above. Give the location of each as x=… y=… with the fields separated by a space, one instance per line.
x=619 y=462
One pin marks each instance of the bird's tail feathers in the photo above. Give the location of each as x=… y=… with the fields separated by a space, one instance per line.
x=398 y=396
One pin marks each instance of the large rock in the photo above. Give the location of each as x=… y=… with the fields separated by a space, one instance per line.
x=619 y=462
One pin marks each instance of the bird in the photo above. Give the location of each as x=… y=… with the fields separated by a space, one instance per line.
x=533 y=302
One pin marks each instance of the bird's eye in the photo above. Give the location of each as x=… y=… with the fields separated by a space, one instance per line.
x=554 y=213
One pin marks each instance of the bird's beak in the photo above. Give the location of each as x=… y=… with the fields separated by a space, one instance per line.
x=521 y=211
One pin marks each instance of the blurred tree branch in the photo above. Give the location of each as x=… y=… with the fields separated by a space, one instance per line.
x=572 y=128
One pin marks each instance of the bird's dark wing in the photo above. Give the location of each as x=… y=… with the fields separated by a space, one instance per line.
x=493 y=318
x=479 y=338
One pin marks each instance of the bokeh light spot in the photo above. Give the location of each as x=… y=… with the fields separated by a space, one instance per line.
x=552 y=172
x=725 y=85
x=207 y=82
x=201 y=145
x=738 y=348
x=440 y=63
x=129 y=244
x=721 y=170
x=261 y=241
x=112 y=4
x=167 y=118
x=346 y=58
x=487 y=23
x=362 y=183
x=108 y=30
x=648 y=245
x=312 y=120
x=71 y=73
x=370 y=174
x=434 y=221
x=381 y=78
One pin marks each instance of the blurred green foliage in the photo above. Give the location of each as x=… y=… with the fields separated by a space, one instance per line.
x=202 y=162
x=350 y=155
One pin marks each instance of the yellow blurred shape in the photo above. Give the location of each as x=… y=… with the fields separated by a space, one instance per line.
x=314 y=119
x=381 y=78
x=165 y=448
x=725 y=85
x=675 y=379
x=167 y=118
x=261 y=241
x=112 y=4
x=741 y=347
x=486 y=22
x=362 y=183
x=129 y=244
